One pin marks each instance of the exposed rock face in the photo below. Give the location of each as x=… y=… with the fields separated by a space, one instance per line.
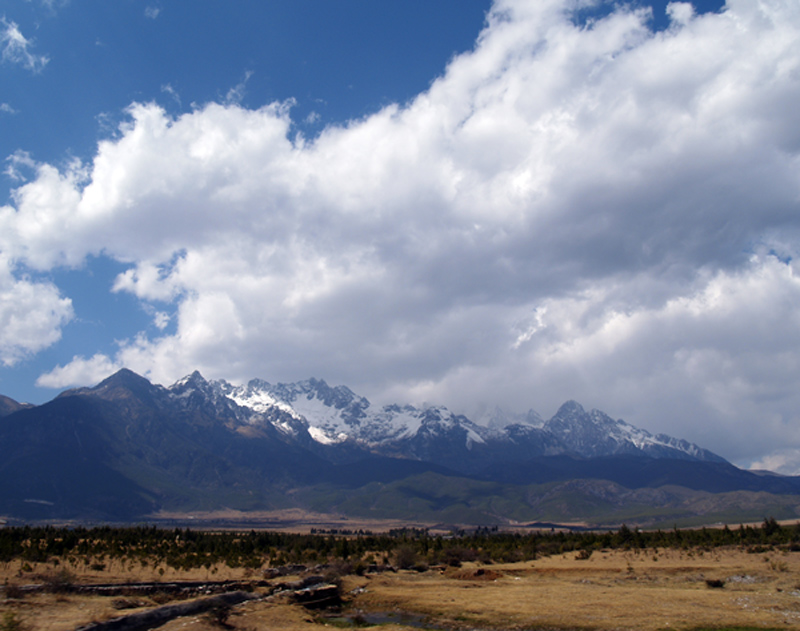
x=592 y=434
x=316 y=414
x=127 y=448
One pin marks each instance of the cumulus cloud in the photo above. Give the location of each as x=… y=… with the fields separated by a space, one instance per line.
x=161 y=319
x=31 y=315
x=79 y=371
x=590 y=211
x=680 y=13
x=720 y=356
x=17 y=49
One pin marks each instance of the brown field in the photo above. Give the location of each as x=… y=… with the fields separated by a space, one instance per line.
x=286 y=520
x=648 y=590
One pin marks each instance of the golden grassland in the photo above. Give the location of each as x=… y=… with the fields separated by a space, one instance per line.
x=294 y=520
x=644 y=590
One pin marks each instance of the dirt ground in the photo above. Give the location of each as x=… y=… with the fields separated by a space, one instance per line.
x=664 y=589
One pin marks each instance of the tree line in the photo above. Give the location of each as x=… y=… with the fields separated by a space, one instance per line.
x=185 y=548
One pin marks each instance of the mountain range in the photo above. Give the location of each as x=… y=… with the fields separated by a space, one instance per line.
x=127 y=450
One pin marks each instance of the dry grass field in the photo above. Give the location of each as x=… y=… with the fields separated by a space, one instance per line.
x=294 y=520
x=648 y=590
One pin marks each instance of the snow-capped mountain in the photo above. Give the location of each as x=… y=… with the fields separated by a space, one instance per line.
x=318 y=415
x=126 y=449
x=498 y=418
x=336 y=414
x=594 y=433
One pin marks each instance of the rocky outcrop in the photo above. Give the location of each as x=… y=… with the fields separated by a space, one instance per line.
x=153 y=618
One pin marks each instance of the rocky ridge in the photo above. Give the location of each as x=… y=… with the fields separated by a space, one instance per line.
x=127 y=449
x=338 y=416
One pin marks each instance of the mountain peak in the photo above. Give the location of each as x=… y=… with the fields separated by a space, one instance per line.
x=195 y=393
x=122 y=385
x=123 y=375
x=9 y=406
x=193 y=380
x=124 y=380
x=571 y=408
x=326 y=415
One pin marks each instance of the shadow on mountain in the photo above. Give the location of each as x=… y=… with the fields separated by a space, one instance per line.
x=635 y=472
x=384 y=471
x=125 y=449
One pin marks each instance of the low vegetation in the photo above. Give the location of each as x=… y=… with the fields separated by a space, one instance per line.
x=745 y=577
x=184 y=549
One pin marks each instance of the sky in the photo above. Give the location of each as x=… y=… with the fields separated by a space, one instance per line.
x=463 y=203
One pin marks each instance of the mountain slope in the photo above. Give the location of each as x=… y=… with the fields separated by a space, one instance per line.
x=8 y=405
x=637 y=472
x=126 y=448
x=593 y=434
x=337 y=416
x=151 y=447
x=56 y=460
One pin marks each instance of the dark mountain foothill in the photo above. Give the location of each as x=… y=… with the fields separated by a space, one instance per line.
x=7 y=406
x=125 y=449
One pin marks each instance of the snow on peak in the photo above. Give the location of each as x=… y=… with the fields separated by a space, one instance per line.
x=258 y=399
x=332 y=415
x=336 y=414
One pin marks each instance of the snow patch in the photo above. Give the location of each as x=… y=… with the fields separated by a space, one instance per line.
x=322 y=436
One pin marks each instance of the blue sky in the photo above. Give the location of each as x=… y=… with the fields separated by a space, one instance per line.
x=335 y=61
x=467 y=203
x=341 y=60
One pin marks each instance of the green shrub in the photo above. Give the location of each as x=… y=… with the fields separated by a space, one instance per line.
x=405 y=557
x=10 y=622
x=59 y=582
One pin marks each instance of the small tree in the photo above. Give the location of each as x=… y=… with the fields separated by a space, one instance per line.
x=405 y=557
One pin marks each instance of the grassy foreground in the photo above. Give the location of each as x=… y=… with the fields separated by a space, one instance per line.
x=718 y=588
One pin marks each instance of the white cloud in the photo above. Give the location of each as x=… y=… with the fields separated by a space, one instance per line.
x=7 y=109
x=31 y=316
x=717 y=364
x=80 y=371
x=161 y=319
x=599 y=212
x=680 y=12
x=16 y=48
x=152 y=12
x=785 y=461
x=18 y=163
x=237 y=92
x=52 y=5
x=168 y=89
